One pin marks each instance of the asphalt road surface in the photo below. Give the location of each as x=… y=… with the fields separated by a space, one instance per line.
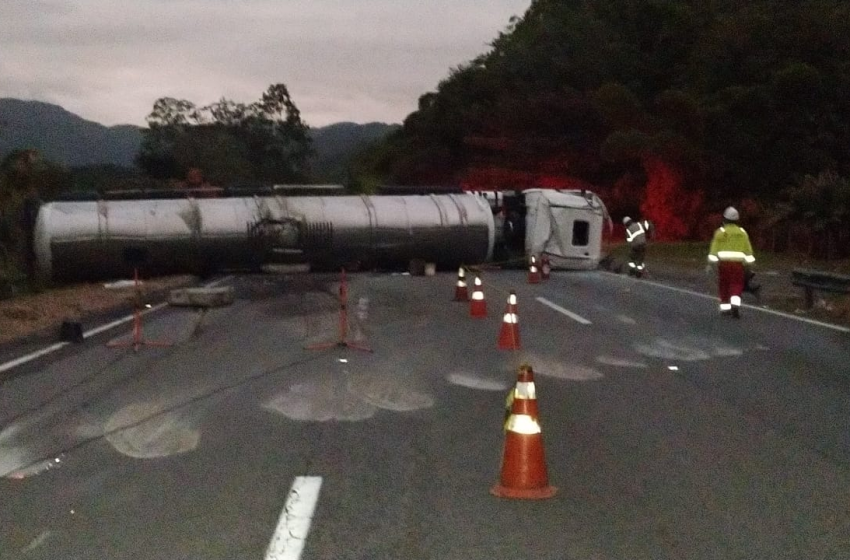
x=669 y=431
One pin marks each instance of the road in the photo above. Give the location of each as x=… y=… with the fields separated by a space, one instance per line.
x=669 y=431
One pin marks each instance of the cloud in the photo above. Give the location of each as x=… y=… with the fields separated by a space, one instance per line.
x=343 y=60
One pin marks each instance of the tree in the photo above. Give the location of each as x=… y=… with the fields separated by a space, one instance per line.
x=821 y=203
x=262 y=141
x=723 y=100
x=25 y=180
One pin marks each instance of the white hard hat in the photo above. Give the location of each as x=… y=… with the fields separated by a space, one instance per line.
x=626 y=220
x=730 y=214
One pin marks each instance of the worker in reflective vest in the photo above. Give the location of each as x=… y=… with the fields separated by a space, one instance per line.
x=636 y=234
x=732 y=253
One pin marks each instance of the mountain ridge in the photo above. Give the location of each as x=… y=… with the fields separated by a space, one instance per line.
x=73 y=141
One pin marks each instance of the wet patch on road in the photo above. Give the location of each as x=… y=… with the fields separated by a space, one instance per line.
x=558 y=368
x=320 y=400
x=474 y=381
x=389 y=393
x=143 y=431
x=19 y=460
x=687 y=350
x=620 y=362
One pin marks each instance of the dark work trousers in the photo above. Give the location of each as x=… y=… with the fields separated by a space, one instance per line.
x=730 y=283
x=637 y=254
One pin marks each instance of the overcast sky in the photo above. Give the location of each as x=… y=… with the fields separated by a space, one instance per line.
x=342 y=60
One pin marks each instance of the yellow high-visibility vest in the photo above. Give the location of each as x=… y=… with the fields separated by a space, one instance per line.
x=731 y=244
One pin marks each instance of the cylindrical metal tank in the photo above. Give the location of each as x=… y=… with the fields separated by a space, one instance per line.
x=107 y=238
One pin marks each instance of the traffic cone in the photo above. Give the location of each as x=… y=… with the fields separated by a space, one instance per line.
x=524 y=389
x=461 y=292
x=523 y=471
x=509 y=333
x=545 y=267
x=533 y=271
x=477 y=305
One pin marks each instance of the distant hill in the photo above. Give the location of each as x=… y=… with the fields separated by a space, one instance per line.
x=335 y=144
x=63 y=137
x=70 y=140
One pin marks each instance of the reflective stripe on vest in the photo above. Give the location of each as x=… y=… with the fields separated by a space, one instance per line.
x=631 y=236
x=734 y=256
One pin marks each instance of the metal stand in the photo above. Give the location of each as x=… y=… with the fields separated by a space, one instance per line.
x=138 y=339
x=343 y=341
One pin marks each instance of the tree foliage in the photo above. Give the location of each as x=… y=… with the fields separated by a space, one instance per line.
x=25 y=179
x=263 y=141
x=732 y=99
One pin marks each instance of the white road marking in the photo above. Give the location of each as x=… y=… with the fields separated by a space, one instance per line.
x=294 y=524
x=754 y=307
x=29 y=357
x=121 y=321
x=89 y=333
x=566 y=312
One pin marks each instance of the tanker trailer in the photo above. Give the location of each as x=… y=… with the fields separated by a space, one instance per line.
x=92 y=240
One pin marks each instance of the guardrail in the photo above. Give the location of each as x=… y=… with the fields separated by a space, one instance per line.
x=812 y=280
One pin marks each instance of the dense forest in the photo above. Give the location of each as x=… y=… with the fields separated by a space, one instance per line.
x=670 y=109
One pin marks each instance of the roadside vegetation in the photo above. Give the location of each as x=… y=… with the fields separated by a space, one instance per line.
x=684 y=264
x=692 y=255
x=671 y=110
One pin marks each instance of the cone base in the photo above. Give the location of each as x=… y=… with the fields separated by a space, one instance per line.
x=461 y=295
x=523 y=493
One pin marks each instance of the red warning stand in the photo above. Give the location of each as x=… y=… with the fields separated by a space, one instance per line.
x=137 y=340
x=343 y=341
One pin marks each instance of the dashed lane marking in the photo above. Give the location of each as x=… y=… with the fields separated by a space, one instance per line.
x=566 y=312
x=92 y=332
x=291 y=533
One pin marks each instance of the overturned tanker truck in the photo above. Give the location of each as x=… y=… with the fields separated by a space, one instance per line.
x=108 y=238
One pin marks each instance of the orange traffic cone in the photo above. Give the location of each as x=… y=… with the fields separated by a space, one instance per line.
x=461 y=292
x=523 y=471
x=533 y=271
x=524 y=389
x=545 y=267
x=509 y=333
x=477 y=306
